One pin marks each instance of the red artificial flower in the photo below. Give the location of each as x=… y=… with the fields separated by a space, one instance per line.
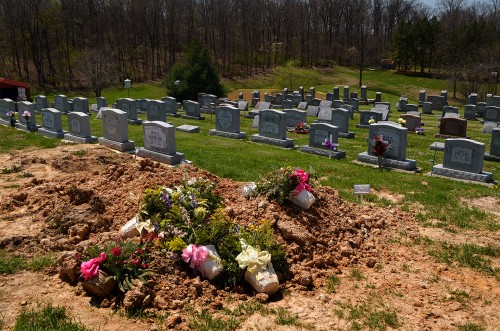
x=116 y=251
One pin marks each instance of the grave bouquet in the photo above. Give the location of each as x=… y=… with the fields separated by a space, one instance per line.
x=401 y=121
x=419 y=131
x=301 y=128
x=372 y=120
x=379 y=148
x=26 y=114
x=332 y=147
x=12 y=116
x=287 y=184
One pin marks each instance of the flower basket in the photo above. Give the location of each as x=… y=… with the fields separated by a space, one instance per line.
x=100 y=286
x=304 y=199
x=129 y=230
x=264 y=281
x=212 y=266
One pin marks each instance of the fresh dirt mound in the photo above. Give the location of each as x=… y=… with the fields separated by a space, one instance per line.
x=73 y=196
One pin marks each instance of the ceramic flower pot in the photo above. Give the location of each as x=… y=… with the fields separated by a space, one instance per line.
x=129 y=230
x=304 y=199
x=100 y=286
x=267 y=282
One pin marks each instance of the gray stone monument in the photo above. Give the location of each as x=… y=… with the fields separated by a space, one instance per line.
x=156 y=110
x=159 y=143
x=340 y=118
x=472 y=99
x=449 y=109
x=378 y=96
x=489 y=99
x=272 y=129
x=444 y=94
x=411 y=107
x=421 y=97
x=470 y=112
x=492 y=114
x=494 y=154
x=255 y=97
x=101 y=102
x=346 y=94
x=427 y=107
x=397 y=139
x=51 y=123
x=129 y=106
x=26 y=107
x=325 y=104
x=336 y=93
x=295 y=117
x=403 y=101
x=81 y=105
x=227 y=123
x=192 y=109
x=171 y=106
x=6 y=107
x=41 y=102
x=366 y=116
x=480 y=109
x=364 y=94
x=489 y=126
x=61 y=103
x=322 y=135
x=312 y=110
x=312 y=92
x=208 y=102
x=115 y=130
x=243 y=105
x=463 y=159
x=79 y=128
x=438 y=102
x=355 y=105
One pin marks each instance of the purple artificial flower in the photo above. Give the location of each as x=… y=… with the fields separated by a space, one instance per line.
x=165 y=198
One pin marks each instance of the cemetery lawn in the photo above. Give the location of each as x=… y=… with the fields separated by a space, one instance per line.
x=423 y=252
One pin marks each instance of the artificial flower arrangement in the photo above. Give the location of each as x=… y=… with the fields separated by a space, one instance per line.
x=284 y=184
x=419 y=131
x=301 y=128
x=401 y=121
x=26 y=114
x=379 y=147
x=372 y=120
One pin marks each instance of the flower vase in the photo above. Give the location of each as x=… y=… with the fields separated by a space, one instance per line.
x=379 y=161
x=101 y=285
x=304 y=199
x=267 y=282
x=12 y=122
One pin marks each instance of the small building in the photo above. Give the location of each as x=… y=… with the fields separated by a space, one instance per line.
x=14 y=90
x=387 y=64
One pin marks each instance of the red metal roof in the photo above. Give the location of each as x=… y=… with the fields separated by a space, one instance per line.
x=4 y=82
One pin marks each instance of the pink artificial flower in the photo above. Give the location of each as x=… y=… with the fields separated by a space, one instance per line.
x=90 y=268
x=301 y=174
x=302 y=178
x=197 y=255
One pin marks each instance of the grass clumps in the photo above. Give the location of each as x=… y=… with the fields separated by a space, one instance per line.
x=47 y=318
x=17 y=263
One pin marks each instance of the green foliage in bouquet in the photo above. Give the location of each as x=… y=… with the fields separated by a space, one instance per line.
x=125 y=261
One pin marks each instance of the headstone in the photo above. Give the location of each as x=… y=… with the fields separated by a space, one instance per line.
x=156 y=110
x=6 y=106
x=287 y=104
x=383 y=111
x=438 y=102
x=243 y=105
x=412 y=121
x=41 y=102
x=449 y=109
x=26 y=106
x=240 y=96
x=70 y=105
x=308 y=99
x=378 y=97
x=81 y=105
x=381 y=104
x=255 y=122
x=325 y=104
x=272 y=128
x=301 y=93
x=61 y=103
x=355 y=105
x=336 y=93
x=411 y=107
x=159 y=143
x=129 y=106
x=171 y=106
x=285 y=93
x=364 y=91
x=451 y=115
x=338 y=104
x=366 y=116
x=315 y=102
x=188 y=128
x=397 y=139
x=115 y=130
x=312 y=92
x=472 y=99
x=455 y=127
x=492 y=114
x=470 y=112
x=421 y=97
x=255 y=97
x=268 y=98
x=51 y=123
x=79 y=128
x=297 y=99
x=278 y=99
x=312 y=110
x=444 y=94
x=340 y=118
x=264 y=105
x=427 y=107
x=463 y=159
x=346 y=93
x=325 y=115
x=101 y=102
x=318 y=134
x=303 y=106
x=329 y=96
x=206 y=101
x=489 y=99
x=143 y=104
x=403 y=101
x=489 y=126
x=495 y=142
x=227 y=123
x=294 y=117
x=480 y=109
x=353 y=95
x=192 y=109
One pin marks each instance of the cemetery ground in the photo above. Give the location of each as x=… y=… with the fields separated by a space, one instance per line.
x=421 y=253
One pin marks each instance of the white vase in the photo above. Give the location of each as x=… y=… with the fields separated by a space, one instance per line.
x=304 y=199
x=212 y=266
x=268 y=284
x=129 y=230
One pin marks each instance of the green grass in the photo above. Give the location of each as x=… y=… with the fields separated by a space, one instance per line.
x=469 y=326
x=331 y=283
x=47 y=318
x=355 y=274
x=371 y=314
x=10 y=264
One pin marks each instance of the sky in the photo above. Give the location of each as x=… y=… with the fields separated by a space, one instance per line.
x=430 y=3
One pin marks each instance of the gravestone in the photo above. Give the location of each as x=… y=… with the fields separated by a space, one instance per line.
x=438 y=102
x=156 y=110
x=325 y=104
x=381 y=104
x=315 y=102
x=470 y=112
x=61 y=103
x=455 y=127
x=427 y=107
x=421 y=97
x=79 y=128
x=41 y=102
x=355 y=105
x=378 y=96
x=129 y=106
x=192 y=109
x=463 y=159
x=206 y=102
x=227 y=123
x=366 y=116
x=26 y=106
x=142 y=105
x=255 y=97
x=346 y=93
x=329 y=96
x=301 y=92
x=336 y=93
x=472 y=99
x=489 y=126
x=353 y=95
x=325 y=115
x=364 y=91
x=480 y=108
x=243 y=105
x=495 y=100
x=312 y=92
x=272 y=129
x=412 y=121
x=285 y=93
x=451 y=115
x=397 y=139
x=296 y=99
x=403 y=101
x=449 y=109
x=188 y=128
x=268 y=98
x=278 y=99
x=81 y=105
x=287 y=104
x=312 y=110
x=494 y=154
x=411 y=107
x=255 y=122
x=101 y=102
x=264 y=105
x=308 y=99
x=6 y=106
x=302 y=106
x=444 y=94
x=171 y=106
x=383 y=111
x=492 y=114
x=51 y=123
x=115 y=130
x=294 y=117
x=340 y=118
x=159 y=143
x=489 y=99
x=240 y=96
x=318 y=134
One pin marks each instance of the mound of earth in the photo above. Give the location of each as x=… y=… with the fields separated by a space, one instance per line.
x=65 y=199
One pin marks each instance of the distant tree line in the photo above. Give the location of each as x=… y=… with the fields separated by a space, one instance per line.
x=91 y=43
